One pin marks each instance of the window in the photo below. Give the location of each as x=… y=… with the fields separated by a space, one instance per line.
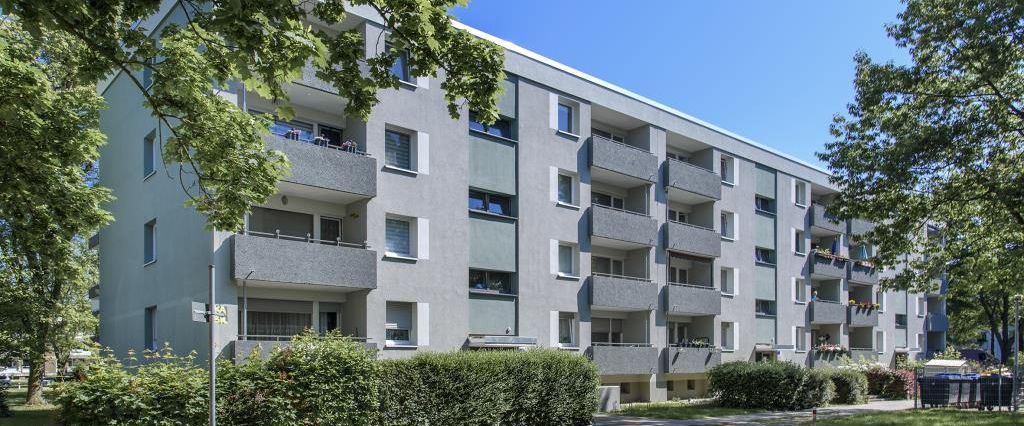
x=678 y=333
x=400 y=68
x=606 y=330
x=330 y=230
x=920 y=340
x=800 y=193
x=147 y=74
x=260 y=323
x=149 y=242
x=567 y=330
x=678 y=275
x=670 y=386
x=677 y=216
x=764 y=204
x=490 y=281
x=606 y=200
x=502 y=127
x=799 y=290
x=624 y=388
x=728 y=225
x=491 y=203
x=799 y=242
x=901 y=321
x=880 y=298
x=922 y=306
x=397 y=241
x=565 y=118
x=728 y=336
x=880 y=341
x=728 y=280
x=861 y=251
x=273 y=222
x=728 y=169
x=607 y=135
x=566 y=189
x=397 y=150
x=763 y=255
x=150 y=329
x=678 y=157
x=800 y=338
x=149 y=154
x=566 y=260
x=398 y=323
x=292 y=130
x=691 y=384
x=332 y=137
x=606 y=266
x=328 y=321
x=764 y=307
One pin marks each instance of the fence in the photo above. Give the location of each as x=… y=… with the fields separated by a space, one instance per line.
x=993 y=391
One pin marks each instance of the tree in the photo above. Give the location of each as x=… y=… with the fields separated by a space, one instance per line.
x=74 y=323
x=938 y=142
x=217 y=147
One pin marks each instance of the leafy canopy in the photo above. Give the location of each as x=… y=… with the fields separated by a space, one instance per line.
x=263 y=44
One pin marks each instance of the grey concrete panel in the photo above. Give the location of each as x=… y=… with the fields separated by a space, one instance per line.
x=492 y=243
x=694 y=179
x=492 y=164
x=820 y=218
x=937 y=322
x=622 y=225
x=328 y=168
x=623 y=293
x=624 y=159
x=300 y=262
x=492 y=314
x=624 y=359
x=860 y=317
x=827 y=313
x=864 y=354
x=827 y=267
x=693 y=300
x=827 y=359
x=861 y=226
x=863 y=274
x=692 y=239
x=691 y=360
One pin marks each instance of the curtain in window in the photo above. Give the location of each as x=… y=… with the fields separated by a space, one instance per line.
x=397 y=150
x=397 y=237
x=565 y=260
x=289 y=223
x=565 y=333
x=565 y=189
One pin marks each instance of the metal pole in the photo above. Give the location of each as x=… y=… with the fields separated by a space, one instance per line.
x=211 y=319
x=1016 y=350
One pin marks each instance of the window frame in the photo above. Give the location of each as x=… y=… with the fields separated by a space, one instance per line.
x=732 y=273
x=573 y=262
x=149 y=155
x=389 y=147
x=799 y=193
x=409 y=240
x=570 y=113
x=759 y=256
x=759 y=208
x=573 y=334
x=487 y=274
x=730 y=220
x=799 y=242
x=727 y=163
x=401 y=60
x=486 y=128
x=772 y=305
x=799 y=339
x=488 y=199
x=573 y=191
x=799 y=288
x=150 y=233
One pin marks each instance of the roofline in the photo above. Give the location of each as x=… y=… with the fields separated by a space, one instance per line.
x=623 y=91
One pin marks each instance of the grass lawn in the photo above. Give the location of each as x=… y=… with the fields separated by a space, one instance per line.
x=680 y=410
x=25 y=416
x=927 y=418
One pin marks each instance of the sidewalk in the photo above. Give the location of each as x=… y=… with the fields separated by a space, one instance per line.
x=766 y=418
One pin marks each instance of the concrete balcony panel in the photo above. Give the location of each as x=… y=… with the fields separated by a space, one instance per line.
x=691 y=360
x=281 y=261
x=621 y=226
x=863 y=274
x=240 y=350
x=821 y=359
x=693 y=300
x=691 y=239
x=326 y=168
x=623 y=293
x=829 y=267
x=861 y=226
x=936 y=322
x=624 y=359
x=623 y=159
x=825 y=312
x=821 y=219
x=693 y=179
x=863 y=354
x=861 y=317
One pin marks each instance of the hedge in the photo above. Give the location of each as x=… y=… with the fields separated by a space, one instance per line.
x=851 y=386
x=889 y=383
x=770 y=385
x=321 y=381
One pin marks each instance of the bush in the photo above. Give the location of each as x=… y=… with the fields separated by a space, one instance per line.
x=851 y=386
x=900 y=385
x=507 y=388
x=877 y=378
x=769 y=385
x=5 y=409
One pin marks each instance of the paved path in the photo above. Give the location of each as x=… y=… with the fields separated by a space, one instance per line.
x=766 y=418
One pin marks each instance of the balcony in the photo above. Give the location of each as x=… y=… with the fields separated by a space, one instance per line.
x=862 y=317
x=862 y=273
x=288 y=261
x=936 y=322
x=345 y=175
x=624 y=358
x=821 y=219
x=623 y=293
x=863 y=354
x=690 y=360
x=700 y=183
x=692 y=299
x=827 y=312
x=828 y=266
x=861 y=226
x=693 y=239
x=627 y=160
x=263 y=346
x=827 y=359
x=623 y=228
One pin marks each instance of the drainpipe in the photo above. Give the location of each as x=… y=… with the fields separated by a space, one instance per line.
x=245 y=307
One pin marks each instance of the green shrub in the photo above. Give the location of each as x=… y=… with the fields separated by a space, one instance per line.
x=851 y=386
x=899 y=386
x=251 y=394
x=877 y=377
x=507 y=388
x=769 y=385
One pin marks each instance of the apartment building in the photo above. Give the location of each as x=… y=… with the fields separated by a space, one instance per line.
x=588 y=218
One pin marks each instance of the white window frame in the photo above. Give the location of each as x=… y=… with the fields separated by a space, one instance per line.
x=799 y=192
x=735 y=337
x=922 y=307
x=798 y=284
x=735 y=273
x=880 y=348
x=799 y=335
x=803 y=242
x=880 y=300
x=734 y=227
x=556 y=263
x=419 y=151
x=574 y=338
x=419 y=238
x=554 y=101
x=729 y=161
x=920 y=341
x=556 y=175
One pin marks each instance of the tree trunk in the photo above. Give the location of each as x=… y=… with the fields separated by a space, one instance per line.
x=36 y=368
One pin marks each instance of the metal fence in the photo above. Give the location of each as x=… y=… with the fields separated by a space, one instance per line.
x=993 y=391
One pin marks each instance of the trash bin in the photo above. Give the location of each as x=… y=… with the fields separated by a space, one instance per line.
x=994 y=395
x=934 y=391
x=950 y=389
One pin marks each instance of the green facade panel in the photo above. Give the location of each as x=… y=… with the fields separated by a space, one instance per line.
x=492 y=164
x=492 y=243
x=492 y=314
x=764 y=182
x=764 y=282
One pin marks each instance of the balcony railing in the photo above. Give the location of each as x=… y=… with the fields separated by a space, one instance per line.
x=624 y=358
x=821 y=218
x=623 y=292
x=288 y=260
x=693 y=299
x=694 y=239
x=319 y=165
x=623 y=225
x=308 y=238
x=694 y=179
x=624 y=159
x=623 y=277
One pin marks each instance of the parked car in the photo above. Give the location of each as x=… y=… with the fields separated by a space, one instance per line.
x=5 y=379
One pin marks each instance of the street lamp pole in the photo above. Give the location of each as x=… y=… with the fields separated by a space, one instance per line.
x=211 y=320
x=1016 y=350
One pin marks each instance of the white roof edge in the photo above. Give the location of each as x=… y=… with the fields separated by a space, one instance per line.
x=615 y=88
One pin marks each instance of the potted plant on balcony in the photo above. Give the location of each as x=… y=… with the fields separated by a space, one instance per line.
x=852 y=302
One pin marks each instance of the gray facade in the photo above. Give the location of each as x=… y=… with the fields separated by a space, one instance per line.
x=652 y=260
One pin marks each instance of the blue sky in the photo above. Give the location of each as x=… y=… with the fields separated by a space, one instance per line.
x=774 y=72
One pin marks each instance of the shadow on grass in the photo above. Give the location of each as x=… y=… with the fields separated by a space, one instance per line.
x=42 y=415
